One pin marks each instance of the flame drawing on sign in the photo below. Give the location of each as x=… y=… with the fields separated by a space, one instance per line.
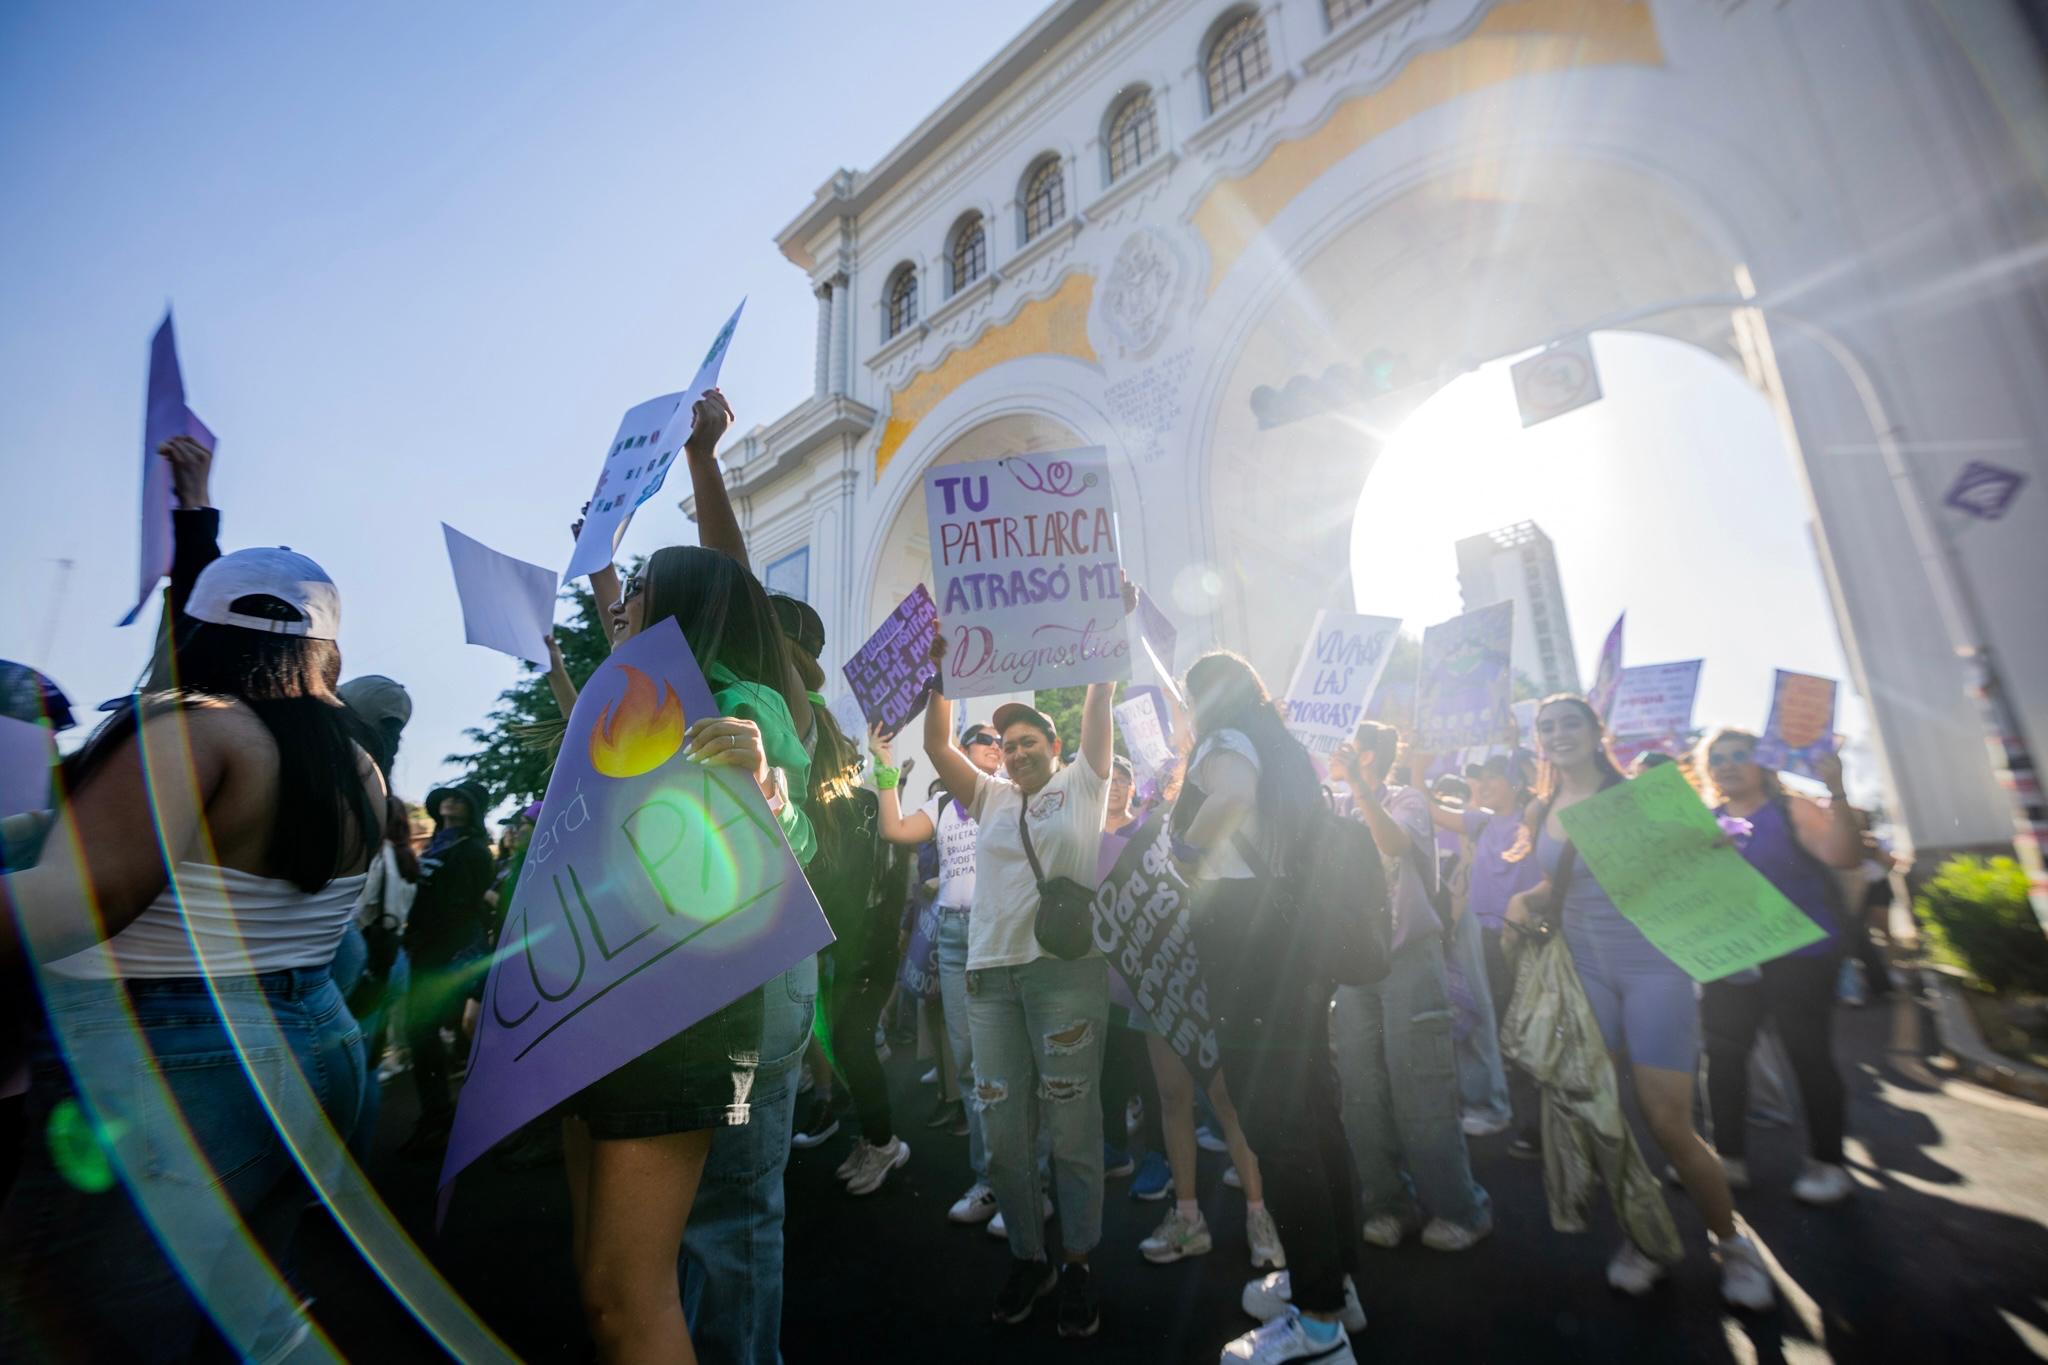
x=641 y=733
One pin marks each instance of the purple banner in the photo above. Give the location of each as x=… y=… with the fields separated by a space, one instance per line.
x=1464 y=692
x=656 y=891
x=919 y=974
x=891 y=675
x=164 y=417
x=1141 y=927
x=1607 y=674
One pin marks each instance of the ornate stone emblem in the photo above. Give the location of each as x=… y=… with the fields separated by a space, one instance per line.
x=1136 y=301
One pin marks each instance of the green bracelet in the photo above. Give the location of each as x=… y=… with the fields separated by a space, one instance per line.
x=887 y=778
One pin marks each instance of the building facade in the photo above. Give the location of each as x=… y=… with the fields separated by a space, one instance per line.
x=1519 y=564
x=1235 y=243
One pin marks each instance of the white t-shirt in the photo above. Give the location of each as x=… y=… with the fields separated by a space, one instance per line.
x=956 y=834
x=1225 y=862
x=1066 y=832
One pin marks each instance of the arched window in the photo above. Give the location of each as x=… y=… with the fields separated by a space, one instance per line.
x=968 y=259
x=1237 y=60
x=1133 y=135
x=1341 y=12
x=1045 y=197
x=902 y=297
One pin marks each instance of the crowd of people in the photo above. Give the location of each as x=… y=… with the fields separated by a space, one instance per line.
x=230 y=888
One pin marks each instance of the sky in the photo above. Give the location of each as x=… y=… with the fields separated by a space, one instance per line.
x=421 y=263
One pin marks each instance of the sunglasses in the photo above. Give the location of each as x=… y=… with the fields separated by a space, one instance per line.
x=978 y=739
x=1728 y=758
x=632 y=591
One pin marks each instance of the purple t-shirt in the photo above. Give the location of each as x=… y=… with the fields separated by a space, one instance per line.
x=1494 y=879
x=1414 y=916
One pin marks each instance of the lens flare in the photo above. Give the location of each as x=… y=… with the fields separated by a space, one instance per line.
x=640 y=733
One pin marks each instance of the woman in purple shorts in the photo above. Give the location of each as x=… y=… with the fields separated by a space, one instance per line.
x=1645 y=1003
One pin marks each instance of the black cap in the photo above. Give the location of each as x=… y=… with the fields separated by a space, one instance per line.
x=800 y=623
x=1010 y=713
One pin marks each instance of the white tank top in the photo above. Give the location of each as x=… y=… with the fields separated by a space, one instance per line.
x=243 y=924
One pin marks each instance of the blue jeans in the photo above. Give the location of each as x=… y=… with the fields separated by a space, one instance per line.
x=1395 y=1062
x=953 y=998
x=1482 y=1080
x=1038 y=1039
x=198 y=1178
x=732 y=1248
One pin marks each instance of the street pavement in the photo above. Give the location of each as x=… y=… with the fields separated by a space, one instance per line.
x=1941 y=1256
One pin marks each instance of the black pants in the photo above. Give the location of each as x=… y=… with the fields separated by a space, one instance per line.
x=433 y=1001
x=856 y=991
x=1500 y=981
x=1876 y=910
x=1798 y=994
x=1127 y=1071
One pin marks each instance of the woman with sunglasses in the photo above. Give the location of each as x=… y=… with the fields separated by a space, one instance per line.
x=1644 y=1001
x=1797 y=844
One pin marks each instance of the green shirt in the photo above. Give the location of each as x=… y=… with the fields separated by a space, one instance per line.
x=739 y=699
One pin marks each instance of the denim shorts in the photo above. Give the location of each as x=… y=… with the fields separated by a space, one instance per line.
x=701 y=1078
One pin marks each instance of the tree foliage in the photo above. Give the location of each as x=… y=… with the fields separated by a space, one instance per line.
x=512 y=761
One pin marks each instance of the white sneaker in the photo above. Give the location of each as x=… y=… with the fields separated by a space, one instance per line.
x=929 y=1078
x=1384 y=1230
x=999 y=1230
x=1284 y=1339
x=1745 y=1280
x=1176 y=1238
x=1478 y=1126
x=875 y=1165
x=1823 y=1183
x=978 y=1205
x=1271 y=1297
x=1738 y=1172
x=1265 y=1239
x=852 y=1162
x=1232 y=1180
x=1207 y=1139
x=1444 y=1235
x=1632 y=1272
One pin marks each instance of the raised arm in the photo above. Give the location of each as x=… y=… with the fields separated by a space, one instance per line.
x=1364 y=778
x=897 y=828
x=954 y=768
x=1098 y=727
x=559 y=681
x=718 y=527
x=1830 y=833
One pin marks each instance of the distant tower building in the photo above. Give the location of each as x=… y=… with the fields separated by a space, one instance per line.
x=1518 y=564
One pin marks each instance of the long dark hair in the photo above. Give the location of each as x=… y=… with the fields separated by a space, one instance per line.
x=1550 y=781
x=398 y=834
x=1236 y=699
x=723 y=613
x=324 y=821
x=835 y=764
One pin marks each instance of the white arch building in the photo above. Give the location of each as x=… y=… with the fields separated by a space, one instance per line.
x=1404 y=190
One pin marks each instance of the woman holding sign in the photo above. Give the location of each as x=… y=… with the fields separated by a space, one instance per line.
x=1642 y=999
x=1796 y=844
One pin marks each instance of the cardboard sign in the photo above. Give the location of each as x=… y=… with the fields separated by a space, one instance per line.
x=919 y=974
x=892 y=674
x=164 y=416
x=1143 y=722
x=1158 y=638
x=1655 y=700
x=1029 y=578
x=1465 y=690
x=1661 y=857
x=1339 y=670
x=1801 y=726
x=656 y=891
x=1607 y=674
x=507 y=604
x=1556 y=381
x=1141 y=927
x=649 y=438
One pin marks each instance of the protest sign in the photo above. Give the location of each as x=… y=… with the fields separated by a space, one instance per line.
x=1607 y=674
x=1141 y=927
x=1663 y=860
x=1655 y=700
x=1029 y=576
x=1465 y=690
x=1339 y=669
x=891 y=675
x=1158 y=638
x=164 y=416
x=656 y=891
x=919 y=974
x=1143 y=722
x=649 y=438
x=1801 y=726
x=507 y=604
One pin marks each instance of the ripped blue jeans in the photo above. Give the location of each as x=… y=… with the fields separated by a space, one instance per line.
x=1399 y=1074
x=1038 y=1034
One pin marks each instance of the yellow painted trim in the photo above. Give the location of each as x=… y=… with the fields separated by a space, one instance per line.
x=1518 y=39
x=1054 y=325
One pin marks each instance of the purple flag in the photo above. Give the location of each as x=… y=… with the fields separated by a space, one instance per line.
x=891 y=675
x=1607 y=676
x=656 y=891
x=164 y=416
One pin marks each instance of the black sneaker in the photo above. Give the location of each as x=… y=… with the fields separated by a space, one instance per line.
x=1080 y=1313
x=820 y=1122
x=1528 y=1144
x=1029 y=1282
x=946 y=1114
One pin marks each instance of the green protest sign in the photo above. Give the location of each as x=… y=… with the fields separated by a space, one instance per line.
x=1662 y=858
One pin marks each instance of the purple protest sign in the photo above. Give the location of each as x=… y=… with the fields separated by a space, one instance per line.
x=1463 y=695
x=1142 y=929
x=656 y=891
x=1029 y=577
x=891 y=675
x=164 y=416
x=919 y=974
x=1607 y=674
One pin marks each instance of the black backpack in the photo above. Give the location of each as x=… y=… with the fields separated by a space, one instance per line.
x=1339 y=889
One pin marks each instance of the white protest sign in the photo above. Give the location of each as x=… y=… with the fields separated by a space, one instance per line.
x=1340 y=666
x=507 y=604
x=649 y=438
x=1553 y=382
x=164 y=416
x=1655 y=700
x=1027 y=572
x=1144 y=732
